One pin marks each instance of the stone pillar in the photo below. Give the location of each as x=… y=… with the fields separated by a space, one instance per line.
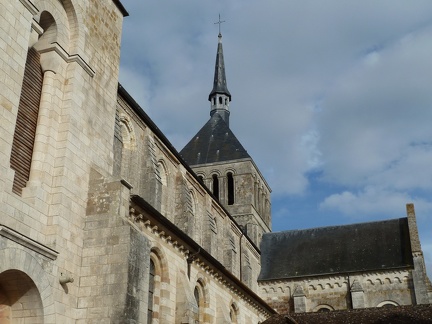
x=419 y=272
x=357 y=295
x=299 y=300
x=42 y=152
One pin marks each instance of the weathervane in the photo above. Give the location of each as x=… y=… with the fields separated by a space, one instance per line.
x=219 y=23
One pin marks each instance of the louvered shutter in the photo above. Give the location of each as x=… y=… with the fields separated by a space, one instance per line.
x=25 y=130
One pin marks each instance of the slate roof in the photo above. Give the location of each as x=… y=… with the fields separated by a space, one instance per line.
x=214 y=142
x=219 y=80
x=336 y=249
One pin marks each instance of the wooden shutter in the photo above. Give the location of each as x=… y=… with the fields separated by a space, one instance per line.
x=25 y=129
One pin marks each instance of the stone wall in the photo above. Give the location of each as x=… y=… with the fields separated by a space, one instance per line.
x=369 y=289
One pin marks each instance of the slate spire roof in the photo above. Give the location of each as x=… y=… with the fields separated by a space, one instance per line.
x=215 y=142
x=219 y=81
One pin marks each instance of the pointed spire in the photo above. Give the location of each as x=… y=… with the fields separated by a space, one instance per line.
x=219 y=82
x=220 y=97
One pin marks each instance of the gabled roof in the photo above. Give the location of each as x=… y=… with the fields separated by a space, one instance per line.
x=214 y=142
x=336 y=249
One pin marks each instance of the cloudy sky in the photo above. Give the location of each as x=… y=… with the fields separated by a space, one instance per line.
x=332 y=99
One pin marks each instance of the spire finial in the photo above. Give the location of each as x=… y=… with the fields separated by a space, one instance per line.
x=219 y=23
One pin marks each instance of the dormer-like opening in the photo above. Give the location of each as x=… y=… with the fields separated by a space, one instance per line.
x=230 y=185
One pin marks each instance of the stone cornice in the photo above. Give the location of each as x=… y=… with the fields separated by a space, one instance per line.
x=28 y=242
x=56 y=47
x=146 y=218
x=30 y=6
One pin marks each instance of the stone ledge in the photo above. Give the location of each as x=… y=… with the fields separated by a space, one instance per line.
x=28 y=242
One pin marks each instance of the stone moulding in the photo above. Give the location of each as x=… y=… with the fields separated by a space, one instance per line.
x=29 y=6
x=28 y=242
x=68 y=58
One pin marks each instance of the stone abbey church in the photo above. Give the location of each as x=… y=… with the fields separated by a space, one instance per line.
x=103 y=221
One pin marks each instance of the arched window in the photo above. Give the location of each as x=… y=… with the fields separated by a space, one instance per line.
x=215 y=186
x=200 y=301
x=197 y=297
x=151 y=292
x=230 y=185
x=158 y=283
x=220 y=100
x=233 y=313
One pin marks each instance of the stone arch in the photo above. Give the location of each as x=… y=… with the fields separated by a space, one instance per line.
x=68 y=20
x=126 y=145
x=31 y=279
x=59 y=15
x=160 y=283
x=387 y=303
x=234 y=313
x=230 y=170
x=193 y=201
x=216 y=171
x=20 y=299
x=127 y=132
x=323 y=308
x=202 y=297
x=75 y=21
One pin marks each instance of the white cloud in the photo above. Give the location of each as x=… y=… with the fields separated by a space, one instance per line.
x=341 y=88
x=374 y=201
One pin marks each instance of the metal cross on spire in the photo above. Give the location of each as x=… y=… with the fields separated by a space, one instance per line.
x=219 y=23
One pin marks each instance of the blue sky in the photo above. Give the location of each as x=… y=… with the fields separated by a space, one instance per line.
x=332 y=99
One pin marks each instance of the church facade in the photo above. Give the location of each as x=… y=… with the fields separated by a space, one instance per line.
x=101 y=219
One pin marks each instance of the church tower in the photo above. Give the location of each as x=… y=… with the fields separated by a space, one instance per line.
x=225 y=167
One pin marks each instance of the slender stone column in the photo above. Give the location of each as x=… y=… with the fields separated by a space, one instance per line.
x=43 y=158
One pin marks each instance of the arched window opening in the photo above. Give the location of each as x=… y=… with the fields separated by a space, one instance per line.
x=214 y=101
x=230 y=188
x=233 y=313
x=220 y=100
x=215 y=186
x=201 y=178
x=199 y=298
x=151 y=292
